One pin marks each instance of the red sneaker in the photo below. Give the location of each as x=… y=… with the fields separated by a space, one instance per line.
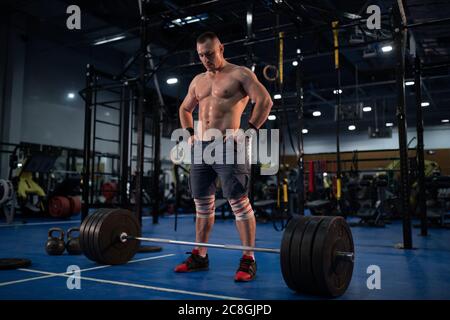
x=247 y=269
x=194 y=262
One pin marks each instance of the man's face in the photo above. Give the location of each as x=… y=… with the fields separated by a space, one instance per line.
x=210 y=53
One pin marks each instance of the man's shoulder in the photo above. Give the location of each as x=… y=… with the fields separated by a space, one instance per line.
x=238 y=68
x=199 y=76
x=242 y=72
x=238 y=71
x=196 y=79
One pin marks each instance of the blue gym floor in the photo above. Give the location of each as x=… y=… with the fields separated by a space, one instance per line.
x=423 y=273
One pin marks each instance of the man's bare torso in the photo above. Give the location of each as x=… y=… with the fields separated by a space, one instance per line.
x=221 y=98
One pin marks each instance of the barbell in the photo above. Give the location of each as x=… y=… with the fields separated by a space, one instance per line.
x=316 y=254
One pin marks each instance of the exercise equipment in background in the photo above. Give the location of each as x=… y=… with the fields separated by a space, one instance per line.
x=55 y=246
x=8 y=200
x=73 y=242
x=14 y=263
x=59 y=207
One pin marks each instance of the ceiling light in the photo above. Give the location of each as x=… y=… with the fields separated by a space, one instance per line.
x=387 y=48
x=272 y=117
x=425 y=104
x=172 y=80
x=188 y=19
x=351 y=127
x=103 y=41
x=249 y=18
x=367 y=109
x=277 y=96
x=317 y=113
x=193 y=20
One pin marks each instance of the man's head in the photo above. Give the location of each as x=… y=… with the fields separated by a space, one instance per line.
x=210 y=51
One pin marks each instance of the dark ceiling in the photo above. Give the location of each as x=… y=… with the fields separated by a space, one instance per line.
x=370 y=80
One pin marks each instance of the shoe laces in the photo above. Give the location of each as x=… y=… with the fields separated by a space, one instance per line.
x=245 y=264
x=190 y=258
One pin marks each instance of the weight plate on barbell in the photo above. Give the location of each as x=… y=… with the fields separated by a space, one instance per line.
x=85 y=228
x=332 y=274
x=87 y=236
x=285 y=257
x=95 y=223
x=300 y=254
x=95 y=234
x=83 y=239
x=291 y=251
x=306 y=275
x=107 y=237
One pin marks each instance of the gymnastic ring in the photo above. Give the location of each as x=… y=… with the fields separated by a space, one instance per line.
x=266 y=68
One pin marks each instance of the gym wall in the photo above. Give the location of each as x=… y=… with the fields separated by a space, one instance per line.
x=441 y=156
x=435 y=137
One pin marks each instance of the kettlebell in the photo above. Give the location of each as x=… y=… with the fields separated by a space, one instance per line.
x=55 y=245
x=73 y=243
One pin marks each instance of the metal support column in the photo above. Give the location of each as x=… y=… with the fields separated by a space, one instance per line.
x=156 y=162
x=140 y=118
x=400 y=48
x=124 y=145
x=301 y=163
x=420 y=149
x=87 y=142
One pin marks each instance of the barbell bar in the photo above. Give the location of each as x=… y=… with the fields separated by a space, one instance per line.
x=124 y=237
x=316 y=255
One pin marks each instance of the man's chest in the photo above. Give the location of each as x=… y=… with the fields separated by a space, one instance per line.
x=224 y=87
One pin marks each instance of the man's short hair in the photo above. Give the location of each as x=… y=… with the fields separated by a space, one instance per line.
x=209 y=35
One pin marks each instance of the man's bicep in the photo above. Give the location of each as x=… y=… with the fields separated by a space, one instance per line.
x=256 y=90
x=252 y=86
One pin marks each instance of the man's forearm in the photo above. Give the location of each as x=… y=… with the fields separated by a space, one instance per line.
x=186 y=119
x=260 y=112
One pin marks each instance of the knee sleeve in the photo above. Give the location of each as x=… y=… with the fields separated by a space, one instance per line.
x=242 y=208
x=204 y=207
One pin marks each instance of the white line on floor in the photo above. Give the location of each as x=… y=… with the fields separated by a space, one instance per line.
x=135 y=285
x=3 y=284
x=82 y=270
